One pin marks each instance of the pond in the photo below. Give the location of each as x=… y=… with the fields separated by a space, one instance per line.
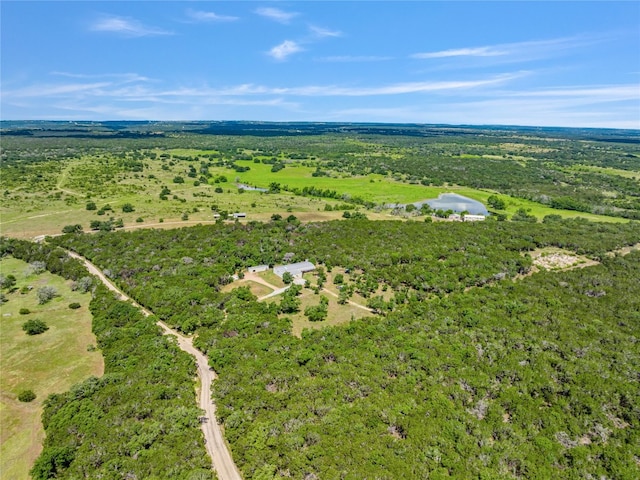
x=449 y=201
x=457 y=203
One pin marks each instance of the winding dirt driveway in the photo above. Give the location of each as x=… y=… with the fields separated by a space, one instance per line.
x=217 y=448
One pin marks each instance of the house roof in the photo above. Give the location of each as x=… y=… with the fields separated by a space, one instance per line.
x=294 y=268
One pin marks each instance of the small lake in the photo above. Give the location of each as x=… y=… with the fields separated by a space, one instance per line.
x=457 y=203
x=449 y=201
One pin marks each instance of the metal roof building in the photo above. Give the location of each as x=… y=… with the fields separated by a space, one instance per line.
x=295 y=269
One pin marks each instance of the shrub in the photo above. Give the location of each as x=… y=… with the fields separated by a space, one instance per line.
x=26 y=396
x=35 y=327
x=91 y=206
x=74 y=306
x=45 y=294
x=7 y=282
x=128 y=208
x=83 y=284
x=77 y=228
x=24 y=311
x=139 y=220
x=36 y=267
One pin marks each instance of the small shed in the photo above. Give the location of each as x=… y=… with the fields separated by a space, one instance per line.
x=295 y=269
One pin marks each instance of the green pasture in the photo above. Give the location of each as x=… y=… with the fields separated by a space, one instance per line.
x=47 y=363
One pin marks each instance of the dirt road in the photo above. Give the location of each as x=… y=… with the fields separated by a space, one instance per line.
x=217 y=448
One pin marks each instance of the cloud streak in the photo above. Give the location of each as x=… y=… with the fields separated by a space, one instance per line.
x=488 y=100
x=320 y=32
x=284 y=50
x=126 y=27
x=276 y=14
x=464 y=52
x=521 y=50
x=202 y=16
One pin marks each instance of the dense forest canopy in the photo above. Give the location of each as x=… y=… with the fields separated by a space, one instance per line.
x=504 y=379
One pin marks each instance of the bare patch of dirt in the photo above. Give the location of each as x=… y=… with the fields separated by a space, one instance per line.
x=558 y=259
x=625 y=250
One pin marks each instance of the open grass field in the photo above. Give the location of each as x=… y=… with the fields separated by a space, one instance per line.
x=47 y=363
x=53 y=194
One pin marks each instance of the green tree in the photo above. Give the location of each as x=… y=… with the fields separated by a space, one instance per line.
x=34 y=327
x=497 y=203
x=128 y=208
x=26 y=396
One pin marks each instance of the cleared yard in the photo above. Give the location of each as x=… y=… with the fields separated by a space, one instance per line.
x=258 y=289
x=558 y=259
x=47 y=363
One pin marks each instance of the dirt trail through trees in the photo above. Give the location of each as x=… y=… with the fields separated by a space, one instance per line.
x=216 y=447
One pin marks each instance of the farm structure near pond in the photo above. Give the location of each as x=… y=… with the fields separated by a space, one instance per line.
x=295 y=269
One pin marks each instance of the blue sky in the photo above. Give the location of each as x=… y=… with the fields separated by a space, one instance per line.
x=514 y=63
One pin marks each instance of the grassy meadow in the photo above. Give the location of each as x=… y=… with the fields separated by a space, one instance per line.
x=47 y=363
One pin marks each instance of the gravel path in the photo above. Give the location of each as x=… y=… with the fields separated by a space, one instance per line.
x=217 y=448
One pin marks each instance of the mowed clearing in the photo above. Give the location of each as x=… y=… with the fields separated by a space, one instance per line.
x=47 y=363
x=264 y=283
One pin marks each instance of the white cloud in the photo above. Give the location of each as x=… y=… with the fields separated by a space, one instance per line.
x=520 y=50
x=43 y=91
x=320 y=32
x=394 y=89
x=487 y=100
x=464 y=52
x=276 y=14
x=202 y=16
x=596 y=93
x=286 y=48
x=126 y=26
